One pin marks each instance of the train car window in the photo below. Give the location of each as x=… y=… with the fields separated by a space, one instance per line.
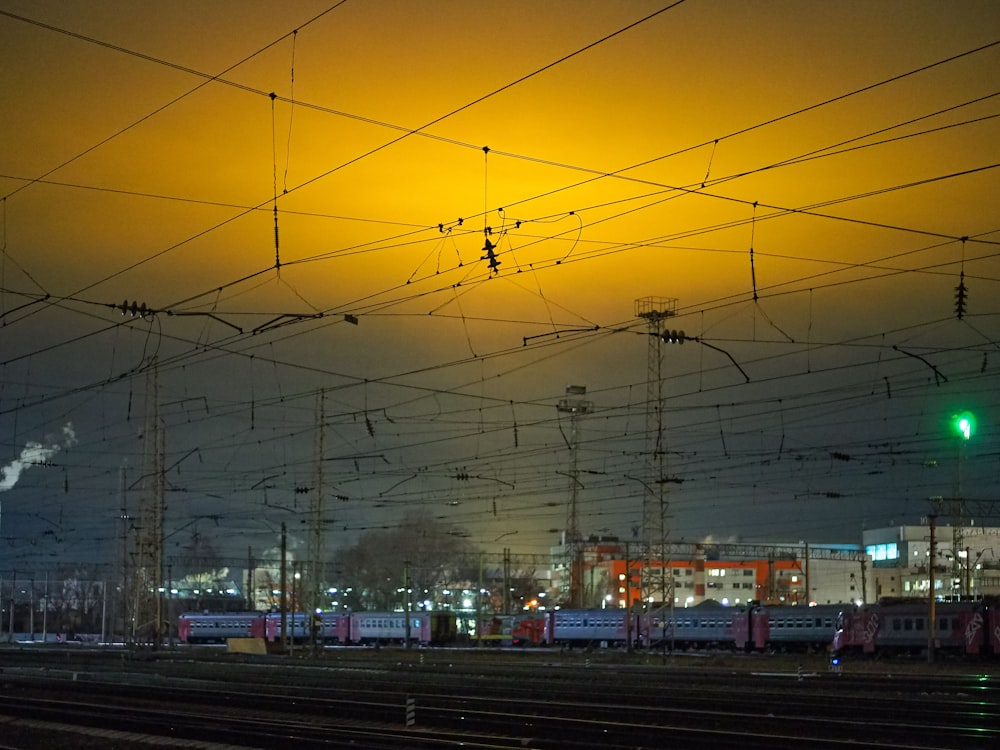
x=895 y=623
x=907 y=624
x=919 y=622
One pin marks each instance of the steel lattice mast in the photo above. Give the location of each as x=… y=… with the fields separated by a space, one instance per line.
x=148 y=581
x=576 y=406
x=655 y=505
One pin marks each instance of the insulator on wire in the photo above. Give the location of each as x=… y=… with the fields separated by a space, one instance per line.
x=135 y=309
x=961 y=294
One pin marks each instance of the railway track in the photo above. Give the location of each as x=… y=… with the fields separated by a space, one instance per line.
x=489 y=702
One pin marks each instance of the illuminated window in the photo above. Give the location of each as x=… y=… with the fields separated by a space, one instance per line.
x=881 y=552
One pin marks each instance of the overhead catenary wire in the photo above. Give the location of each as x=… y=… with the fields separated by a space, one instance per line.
x=451 y=387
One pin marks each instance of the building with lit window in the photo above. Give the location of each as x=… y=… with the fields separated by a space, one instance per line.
x=616 y=574
x=967 y=561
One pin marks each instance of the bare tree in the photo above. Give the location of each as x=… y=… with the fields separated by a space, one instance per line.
x=377 y=565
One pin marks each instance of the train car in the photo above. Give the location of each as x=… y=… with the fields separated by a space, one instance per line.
x=334 y=627
x=495 y=631
x=751 y=628
x=705 y=626
x=296 y=627
x=591 y=627
x=204 y=627
x=901 y=627
x=793 y=628
x=528 y=629
x=992 y=636
x=426 y=628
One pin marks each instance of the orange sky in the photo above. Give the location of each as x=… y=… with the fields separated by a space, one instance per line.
x=628 y=144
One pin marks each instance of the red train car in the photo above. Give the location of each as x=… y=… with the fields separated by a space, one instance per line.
x=528 y=629
x=902 y=626
x=992 y=636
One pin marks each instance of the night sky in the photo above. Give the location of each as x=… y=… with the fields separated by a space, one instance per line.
x=439 y=215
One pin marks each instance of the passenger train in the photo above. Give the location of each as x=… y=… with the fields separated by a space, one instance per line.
x=347 y=628
x=890 y=626
x=755 y=627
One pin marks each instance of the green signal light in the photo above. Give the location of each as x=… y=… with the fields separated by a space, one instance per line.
x=965 y=424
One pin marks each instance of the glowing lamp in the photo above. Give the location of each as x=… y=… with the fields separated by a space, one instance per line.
x=965 y=424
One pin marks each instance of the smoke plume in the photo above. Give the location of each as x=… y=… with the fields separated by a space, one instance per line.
x=34 y=454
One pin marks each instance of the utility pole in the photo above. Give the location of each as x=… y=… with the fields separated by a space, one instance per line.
x=250 y=582
x=284 y=586
x=124 y=579
x=628 y=599
x=506 y=581
x=296 y=594
x=932 y=619
x=808 y=597
x=315 y=551
x=965 y=424
x=406 y=600
x=864 y=581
